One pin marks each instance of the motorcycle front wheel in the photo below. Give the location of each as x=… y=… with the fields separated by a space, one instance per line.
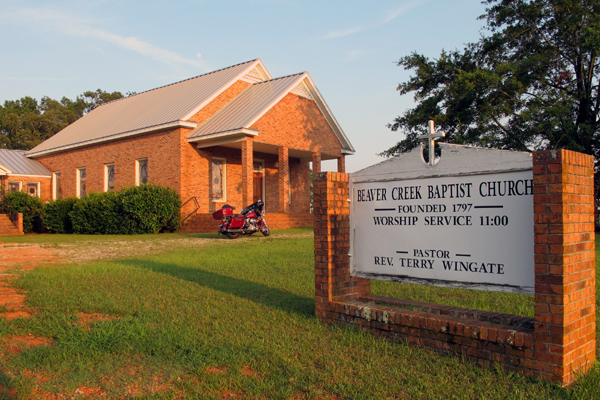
x=265 y=231
x=233 y=235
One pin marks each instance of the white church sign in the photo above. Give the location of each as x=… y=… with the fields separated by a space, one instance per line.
x=466 y=221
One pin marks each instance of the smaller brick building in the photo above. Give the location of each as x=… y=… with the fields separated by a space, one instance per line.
x=21 y=174
x=231 y=136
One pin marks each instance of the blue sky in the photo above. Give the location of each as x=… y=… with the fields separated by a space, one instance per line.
x=66 y=47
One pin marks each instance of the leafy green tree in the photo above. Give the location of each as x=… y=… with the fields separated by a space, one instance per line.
x=93 y=99
x=530 y=82
x=25 y=123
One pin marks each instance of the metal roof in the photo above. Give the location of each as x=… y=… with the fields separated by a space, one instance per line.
x=167 y=105
x=14 y=162
x=455 y=160
x=248 y=106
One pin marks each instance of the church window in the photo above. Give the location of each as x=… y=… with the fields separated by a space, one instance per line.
x=219 y=179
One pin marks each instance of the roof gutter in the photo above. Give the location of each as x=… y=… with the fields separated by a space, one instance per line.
x=116 y=136
x=233 y=132
x=220 y=138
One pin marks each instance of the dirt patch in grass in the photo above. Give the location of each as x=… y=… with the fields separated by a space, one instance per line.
x=16 y=344
x=12 y=300
x=231 y=395
x=86 y=320
x=27 y=255
x=113 y=249
x=216 y=370
x=248 y=371
x=83 y=392
x=7 y=393
x=89 y=392
x=23 y=256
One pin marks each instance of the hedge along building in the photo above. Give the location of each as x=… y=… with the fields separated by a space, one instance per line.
x=227 y=137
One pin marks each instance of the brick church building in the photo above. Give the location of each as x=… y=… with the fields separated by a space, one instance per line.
x=230 y=136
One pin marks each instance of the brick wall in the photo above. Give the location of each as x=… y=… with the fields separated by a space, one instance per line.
x=45 y=187
x=200 y=186
x=196 y=163
x=300 y=182
x=333 y=282
x=205 y=223
x=558 y=344
x=565 y=264
x=160 y=148
x=297 y=123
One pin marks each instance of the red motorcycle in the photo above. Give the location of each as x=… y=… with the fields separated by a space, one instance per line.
x=251 y=221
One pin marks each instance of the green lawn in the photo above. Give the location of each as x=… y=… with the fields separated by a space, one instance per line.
x=232 y=319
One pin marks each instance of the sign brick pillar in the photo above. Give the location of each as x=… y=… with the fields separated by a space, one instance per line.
x=331 y=210
x=284 y=179
x=565 y=283
x=247 y=171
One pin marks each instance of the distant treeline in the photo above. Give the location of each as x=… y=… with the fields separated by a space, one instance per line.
x=27 y=122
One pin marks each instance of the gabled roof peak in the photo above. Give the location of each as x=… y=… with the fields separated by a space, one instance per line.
x=281 y=77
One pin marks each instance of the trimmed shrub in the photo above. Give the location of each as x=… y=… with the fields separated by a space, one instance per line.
x=135 y=210
x=55 y=215
x=98 y=213
x=150 y=208
x=30 y=206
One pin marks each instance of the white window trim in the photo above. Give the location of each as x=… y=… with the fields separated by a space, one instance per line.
x=54 y=185
x=106 y=175
x=37 y=189
x=137 y=169
x=224 y=176
x=19 y=182
x=78 y=182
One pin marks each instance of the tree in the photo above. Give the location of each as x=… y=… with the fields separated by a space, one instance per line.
x=25 y=123
x=91 y=100
x=530 y=82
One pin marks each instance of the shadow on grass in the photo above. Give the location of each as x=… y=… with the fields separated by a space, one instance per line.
x=255 y=292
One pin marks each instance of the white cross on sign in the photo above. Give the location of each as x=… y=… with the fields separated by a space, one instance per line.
x=430 y=137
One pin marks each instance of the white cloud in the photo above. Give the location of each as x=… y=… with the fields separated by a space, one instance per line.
x=137 y=45
x=388 y=18
x=344 y=32
x=76 y=26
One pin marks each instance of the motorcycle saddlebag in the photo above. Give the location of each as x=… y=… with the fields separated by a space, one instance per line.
x=223 y=212
x=237 y=222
